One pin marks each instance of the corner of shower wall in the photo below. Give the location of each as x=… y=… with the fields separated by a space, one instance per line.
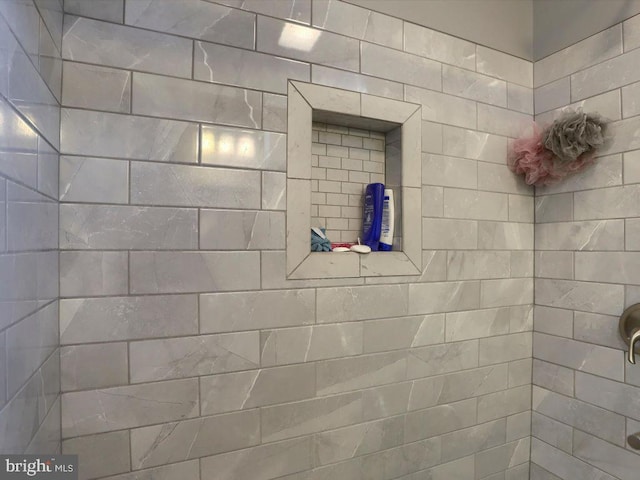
x=30 y=92
x=586 y=267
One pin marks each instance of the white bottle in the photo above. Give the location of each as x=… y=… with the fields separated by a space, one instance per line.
x=386 y=234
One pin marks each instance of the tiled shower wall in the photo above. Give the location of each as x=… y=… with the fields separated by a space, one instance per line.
x=30 y=79
x=186 y=352
x=344 y=160
x=585 y=397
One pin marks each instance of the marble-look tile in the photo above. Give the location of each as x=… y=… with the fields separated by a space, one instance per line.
x=474 y=86
x=244 y=311
x=112 y=45
x=552 y=264
x=613 y=202
x=502 y=122
x=477 y=324
x=357 y=22
x=610 y=267
x=109 y=10
x=289 y=40
x=631 y=164
x=589 y=297
x=128 y=406
x=309 y=416
x=48 y=169
x=593 y=235
x=127 y=227
x=553 y=377
x=362 y=439
x=49 y=60
x=440 y=419
x=507 y=67
x=432 y=201
x=96 y=88
x=181 y=185
x=453 y=387
x=19 y=144
x=274 y=112
x=406 y=68
x=153 y=360
x=100 y=455
x=554 y=208
x=47 y=438
x=329 y=99
x=520 y=373
x=608 y=394
x=498 y=178
x=554 y=321
x=504 y=292
x=302 y=344
x=607 y=104
x=553 y=95
x=189 y=470
x=504 y=403
x=624 y=136
x=256 y=388
x=580 y=356
x=443 y=108
x=400 y=461
x=472 y=265
x=388 y=109
x=28 y=344
x=160 y=96
x=474 y=145
x=598 y=329
x=193 y=18
x=86 y=179
x=472 y=440
x=578 y=414
x=297 y=10
x=505 y=236
x=241 y=230
x=443 y=297
x=475 y=205
x=615 y=460
x=178 y=272
x=593 y=50
x=449 y=171
x=498 y=459
x=505 y=348
x=449 y=234
x=80 y=364
x=361 y=303
x=439 y=359
x=597 y=79
x=519 y=98
x=84 y=132
x=127 y=318
x=393 y=263
x=299 y=145
x=346 y=374
x=385 y=401
x=92 y=274
x=522 y=263
x=401 y=333
x=353 y=81
x=243 y=68
x=519 y=425
x=263 y=462
x=560 y=464
x=198 y=437
x=29 y=280
x=552 y=432
x=31 y=220
x=439 y=46
x=631 y=33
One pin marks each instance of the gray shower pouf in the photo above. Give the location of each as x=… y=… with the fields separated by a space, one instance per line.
x=573 y=134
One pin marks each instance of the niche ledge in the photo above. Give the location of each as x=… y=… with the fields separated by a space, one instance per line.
x=305 y=100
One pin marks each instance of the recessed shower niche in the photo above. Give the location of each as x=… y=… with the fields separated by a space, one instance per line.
x=326 y=180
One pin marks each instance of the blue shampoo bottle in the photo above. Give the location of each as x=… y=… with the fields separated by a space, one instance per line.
x=372 y=215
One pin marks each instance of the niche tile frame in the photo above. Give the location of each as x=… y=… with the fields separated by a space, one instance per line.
x=303 y=100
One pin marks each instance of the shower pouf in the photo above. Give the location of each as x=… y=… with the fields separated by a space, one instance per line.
x=567 y=146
